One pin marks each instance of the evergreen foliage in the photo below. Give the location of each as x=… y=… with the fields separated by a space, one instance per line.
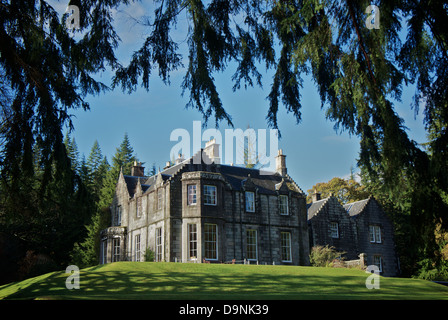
x=359 y=73
x=101 y=180
x=46 y=70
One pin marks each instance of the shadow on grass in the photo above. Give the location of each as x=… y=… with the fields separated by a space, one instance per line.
x=101 y=284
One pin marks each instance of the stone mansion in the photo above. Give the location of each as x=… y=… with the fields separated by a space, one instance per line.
x=204 y=211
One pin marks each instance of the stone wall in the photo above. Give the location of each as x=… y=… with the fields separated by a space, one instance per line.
x=321 y=235
x=373 y=215
x=142 y=216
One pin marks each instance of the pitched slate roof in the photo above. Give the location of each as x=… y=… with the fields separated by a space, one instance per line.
x=131 y=184
x=353 y=209
x=234 y=175
x=265 y=183
x=356 y=208
x=314 y=207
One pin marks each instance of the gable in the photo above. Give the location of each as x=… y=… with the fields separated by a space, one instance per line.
x=314 y=207
x=356 y=208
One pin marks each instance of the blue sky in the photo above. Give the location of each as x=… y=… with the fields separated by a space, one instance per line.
x=315 y=151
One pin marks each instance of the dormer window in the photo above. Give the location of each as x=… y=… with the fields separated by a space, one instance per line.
x=250 y=201
x=138 y=205
x=118 y=216
x=283 y=205
x=159 y=199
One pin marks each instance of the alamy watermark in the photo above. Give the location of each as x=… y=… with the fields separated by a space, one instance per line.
x=373 y=18
x=73 y=19
x=237 y=147
x=373 y=281
x=72 y=281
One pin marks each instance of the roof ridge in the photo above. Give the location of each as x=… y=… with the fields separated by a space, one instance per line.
x=325 y=201
x=356 y=201
x=294 y=183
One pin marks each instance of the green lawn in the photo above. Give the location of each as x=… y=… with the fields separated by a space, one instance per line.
x=143 y=280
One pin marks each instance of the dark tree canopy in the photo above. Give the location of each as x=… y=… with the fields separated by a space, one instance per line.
x=47 y=69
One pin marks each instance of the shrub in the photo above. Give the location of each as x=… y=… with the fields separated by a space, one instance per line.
x=149 y=255
x=323 y=256
x=432 y=272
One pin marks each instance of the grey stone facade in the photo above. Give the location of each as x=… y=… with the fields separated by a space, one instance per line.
x=199 y=210
x=355 y=228
x=208 y=213
x=330 y=224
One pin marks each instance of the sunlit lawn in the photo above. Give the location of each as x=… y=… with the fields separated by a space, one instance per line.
x=144 y=280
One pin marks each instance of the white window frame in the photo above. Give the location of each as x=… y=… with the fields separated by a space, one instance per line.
x=158 y=245
x=210 y=195
x=375 y=234
x=138 y=207
x=378 y=261
x=286 y=246
x=103 y=250
x=192 y=194
x=282 y=204
x=137 y=247
x=334 y=229
x=251 y=244
x=159 y=199
x=116 y=249
x=211 y=239
x=250 y=201
x=192 y=229
x=118 y=216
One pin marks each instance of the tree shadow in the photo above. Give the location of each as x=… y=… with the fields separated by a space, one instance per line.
x=159 y=283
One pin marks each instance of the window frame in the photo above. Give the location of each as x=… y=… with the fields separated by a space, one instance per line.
x=118 y=216
x=378 y=261
x=334 y=229
x=213 y=195
x=159 y=199
x=138 y=207
x=375 y=234
x=137 y=248
x=286 y=245
x=158 y=245
x=194 y=200
x=282 y=205
x=116 y=254
x=251 y=246
x=191 y=241
x=246 y=193
x=213 y=242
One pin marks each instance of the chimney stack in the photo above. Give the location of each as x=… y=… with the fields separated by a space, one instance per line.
x=137 y=170
x=179 y=159
x=212 y=151
x=280 y=163
x=316 y=196
x=167 y=165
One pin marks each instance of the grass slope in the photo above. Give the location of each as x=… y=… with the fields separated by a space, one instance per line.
x=143 y=280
